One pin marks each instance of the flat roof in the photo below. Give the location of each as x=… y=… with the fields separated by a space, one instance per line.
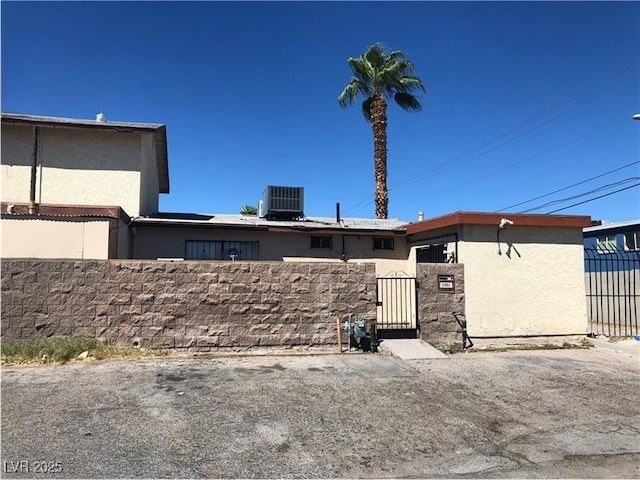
x=158 y=129
x=613 y=226
x=487 y=218
x=254 y=222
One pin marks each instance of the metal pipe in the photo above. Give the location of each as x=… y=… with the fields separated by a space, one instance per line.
x=34 y=169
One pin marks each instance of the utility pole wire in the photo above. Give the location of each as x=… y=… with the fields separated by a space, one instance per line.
x=421 y=175
x=584 y=194
x=592 y=199
x=567 y=188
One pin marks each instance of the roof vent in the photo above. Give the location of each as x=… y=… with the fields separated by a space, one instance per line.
x=101 y=117
x=282 y=203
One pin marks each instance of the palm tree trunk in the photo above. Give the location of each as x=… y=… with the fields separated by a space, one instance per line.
x=379 y=126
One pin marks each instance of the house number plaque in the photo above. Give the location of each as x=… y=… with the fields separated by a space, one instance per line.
x=446 y=284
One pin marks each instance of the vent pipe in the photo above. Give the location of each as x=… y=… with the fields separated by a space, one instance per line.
x=420 y=216
x=338 y=212
x=101 y=117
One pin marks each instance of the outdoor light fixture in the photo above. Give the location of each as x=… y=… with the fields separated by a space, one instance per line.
x=504 y=223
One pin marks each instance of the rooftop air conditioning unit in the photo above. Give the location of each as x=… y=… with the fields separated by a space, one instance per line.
x=283 y=203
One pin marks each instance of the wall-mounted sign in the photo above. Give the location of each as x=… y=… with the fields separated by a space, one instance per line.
x=446 y=284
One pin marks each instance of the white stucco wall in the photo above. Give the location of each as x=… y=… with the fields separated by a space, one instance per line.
x=55 y=239
x=534 y=288
x=78 y=167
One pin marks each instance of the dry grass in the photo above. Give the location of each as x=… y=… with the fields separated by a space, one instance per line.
x=57 y=350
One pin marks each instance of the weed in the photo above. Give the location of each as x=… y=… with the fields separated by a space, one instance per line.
x=53 y=349
x=64 y=349
x=451 y=348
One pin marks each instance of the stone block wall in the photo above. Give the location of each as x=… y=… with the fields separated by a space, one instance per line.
x=437 y=324
x=201 y=306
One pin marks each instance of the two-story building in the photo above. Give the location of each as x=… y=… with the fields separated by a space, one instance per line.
x=70 y=186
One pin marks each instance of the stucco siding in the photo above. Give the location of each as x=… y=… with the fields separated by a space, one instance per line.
x=157 y=242
x=30 y=238
x=534 y=287
x=81 y=167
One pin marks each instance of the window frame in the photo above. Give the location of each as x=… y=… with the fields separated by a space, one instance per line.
x=244 y=247
x=321 y=239
x=380 y=243
x=636 y=240
x=607 y=243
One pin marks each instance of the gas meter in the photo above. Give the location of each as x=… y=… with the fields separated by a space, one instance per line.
x=362 y=333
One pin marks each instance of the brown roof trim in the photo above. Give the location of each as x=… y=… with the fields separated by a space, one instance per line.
x=21 y=209
x=485 y=218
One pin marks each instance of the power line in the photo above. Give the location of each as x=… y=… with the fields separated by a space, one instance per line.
x=527 y=159
x=421 y=175
x=567 y=188
x=590 y=192
x=592 y=199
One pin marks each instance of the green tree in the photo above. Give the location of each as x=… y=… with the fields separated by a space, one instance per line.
x=378 y=76
x=249 y=210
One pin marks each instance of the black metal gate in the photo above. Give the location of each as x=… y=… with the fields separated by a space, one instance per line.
x=396 y=302
x=613 y=286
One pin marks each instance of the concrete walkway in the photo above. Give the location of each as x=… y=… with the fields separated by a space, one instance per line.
x=629 y=347
x=411 y=349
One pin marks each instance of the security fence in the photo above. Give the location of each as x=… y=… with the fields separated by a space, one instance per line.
x=612 y=279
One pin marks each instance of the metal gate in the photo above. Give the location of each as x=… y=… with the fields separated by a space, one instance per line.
x=396 y=302
x=612 y=279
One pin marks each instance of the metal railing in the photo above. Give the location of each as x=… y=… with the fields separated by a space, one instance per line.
x=612 y=281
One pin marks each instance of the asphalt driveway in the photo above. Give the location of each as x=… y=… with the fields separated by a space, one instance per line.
x=553 y=413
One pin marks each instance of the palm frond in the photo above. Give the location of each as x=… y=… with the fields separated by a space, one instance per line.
x=349 y=94
x=412 y=82
x=406 y=101
x=366 y=109
x=394 y=57
x=375 y=56
x=361 y=70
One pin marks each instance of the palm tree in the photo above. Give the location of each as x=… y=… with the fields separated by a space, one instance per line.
x=379 y=75
x=249 y=210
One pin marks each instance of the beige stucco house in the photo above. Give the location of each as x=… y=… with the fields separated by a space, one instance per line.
x=250 y=237
x=523 y=274
x=96 y=193
x=120 y=168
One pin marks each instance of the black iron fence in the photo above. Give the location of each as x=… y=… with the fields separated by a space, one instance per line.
x=613 y=286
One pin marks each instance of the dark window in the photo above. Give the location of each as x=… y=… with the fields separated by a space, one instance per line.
x=632 y=241
x=432 y=254
x=321 y=242
x=221 y=250
x=382 y=243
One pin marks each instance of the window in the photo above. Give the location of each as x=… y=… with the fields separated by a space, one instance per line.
x=606 y=244
x=322 y=242
x=432 y=254
x=632 y=241
x=382 y=243
x=221 y=250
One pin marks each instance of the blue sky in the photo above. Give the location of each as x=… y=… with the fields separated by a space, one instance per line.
x=523 y=98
